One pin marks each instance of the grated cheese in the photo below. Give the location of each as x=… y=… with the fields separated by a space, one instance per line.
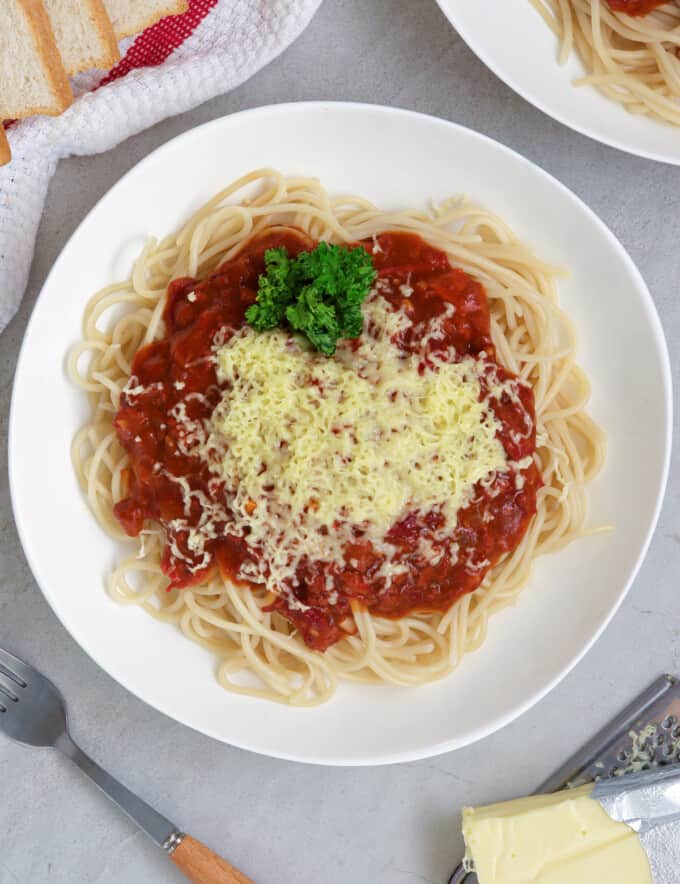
x=313 y=450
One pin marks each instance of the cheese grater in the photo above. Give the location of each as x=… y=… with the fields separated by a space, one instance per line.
x=646 y=734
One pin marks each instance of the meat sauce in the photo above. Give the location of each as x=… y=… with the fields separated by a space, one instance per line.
x=177 y=372
x=636 y=8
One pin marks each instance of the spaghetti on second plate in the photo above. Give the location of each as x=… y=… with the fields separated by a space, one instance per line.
x=312 y=518
x=630 y=49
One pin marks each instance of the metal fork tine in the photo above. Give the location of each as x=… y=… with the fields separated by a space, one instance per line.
x=7 y=689
x=14 y=677
x=15 y=668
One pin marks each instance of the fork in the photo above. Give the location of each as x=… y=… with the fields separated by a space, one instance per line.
x=33 y=712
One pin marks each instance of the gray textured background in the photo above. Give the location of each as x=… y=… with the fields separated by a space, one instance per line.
x=284 y=822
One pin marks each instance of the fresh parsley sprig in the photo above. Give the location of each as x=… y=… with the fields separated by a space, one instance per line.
x=318 y=293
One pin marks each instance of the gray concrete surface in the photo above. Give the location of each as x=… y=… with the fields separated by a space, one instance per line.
x=288 y=823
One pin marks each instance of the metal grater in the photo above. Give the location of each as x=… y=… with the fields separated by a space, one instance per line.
x=645 y=735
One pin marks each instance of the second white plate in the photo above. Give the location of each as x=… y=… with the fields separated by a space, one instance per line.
x=516 y=44
x=396 y=159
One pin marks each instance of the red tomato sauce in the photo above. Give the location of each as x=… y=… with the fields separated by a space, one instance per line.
x=173 y=369
x=635 y=7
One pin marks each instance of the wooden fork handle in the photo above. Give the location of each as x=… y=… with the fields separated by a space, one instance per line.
x=202 y=866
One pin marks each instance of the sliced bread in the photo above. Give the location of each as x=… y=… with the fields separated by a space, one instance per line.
x=132 y=16
x=5 y=152
x=84 y=34
x=32 y=77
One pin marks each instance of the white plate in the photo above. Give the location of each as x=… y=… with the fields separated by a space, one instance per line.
x=395 y=158
x=511 y=38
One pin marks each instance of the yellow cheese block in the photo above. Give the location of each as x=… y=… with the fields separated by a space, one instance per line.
x=565 y=838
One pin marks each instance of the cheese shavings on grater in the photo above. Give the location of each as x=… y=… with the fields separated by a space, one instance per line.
x=645 y=735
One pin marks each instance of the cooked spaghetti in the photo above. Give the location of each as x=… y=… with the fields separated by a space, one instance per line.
x=310 y=518
x=630 y=48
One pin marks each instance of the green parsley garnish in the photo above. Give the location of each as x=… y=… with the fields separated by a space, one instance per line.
x=318 y=293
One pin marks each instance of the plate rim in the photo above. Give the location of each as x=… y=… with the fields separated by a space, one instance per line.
x=387 y=757
x=562 y=118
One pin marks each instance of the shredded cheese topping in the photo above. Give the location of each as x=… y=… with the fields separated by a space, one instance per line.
x=316 y=451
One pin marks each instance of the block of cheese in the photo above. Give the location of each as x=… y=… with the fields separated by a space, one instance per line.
x=32 y=77
x=553 y=839
x=84 y=34
x=132 y=16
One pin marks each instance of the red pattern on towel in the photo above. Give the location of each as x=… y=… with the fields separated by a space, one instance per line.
x=154 y=45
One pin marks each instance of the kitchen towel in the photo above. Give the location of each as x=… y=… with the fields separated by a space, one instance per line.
x=173 y=66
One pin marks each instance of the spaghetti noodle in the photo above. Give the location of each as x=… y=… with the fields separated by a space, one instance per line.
x=260 y=649
x=631 y=56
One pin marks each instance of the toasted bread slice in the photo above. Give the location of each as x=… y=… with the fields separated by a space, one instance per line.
x=32 y=77
x=132 y=16
x=5 y=152
x=84 y=34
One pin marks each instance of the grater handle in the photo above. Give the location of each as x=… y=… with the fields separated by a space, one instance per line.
x=459 y=875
